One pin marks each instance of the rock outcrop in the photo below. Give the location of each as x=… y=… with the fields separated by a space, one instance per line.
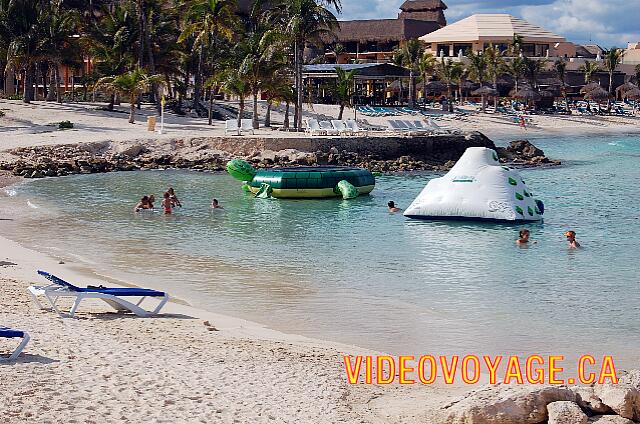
x=524 y=153
x=566 y=413
x=624 y=397
x=505 y=404
x=609 y=419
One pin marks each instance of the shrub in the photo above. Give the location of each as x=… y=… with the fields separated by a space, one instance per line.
x=65 y=125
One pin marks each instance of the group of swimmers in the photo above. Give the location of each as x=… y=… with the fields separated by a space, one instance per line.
x=570 y=235
x=524 y=234
x=169 y=202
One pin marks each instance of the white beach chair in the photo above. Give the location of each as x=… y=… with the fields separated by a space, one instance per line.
x=10 y=333
x=247 y=125
x=112 y=296
x=354 y=127
x=313 y=128
x=437 y=128
x=365 y=124
x=328 y=128
x=231 y=126
x=415 y=128
x=341 y=127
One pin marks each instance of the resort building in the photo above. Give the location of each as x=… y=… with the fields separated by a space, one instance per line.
x=479 y=31
x=632 y=54
x=374 y=83
x=375 y=40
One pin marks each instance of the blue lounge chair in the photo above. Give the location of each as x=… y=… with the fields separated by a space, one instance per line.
x=112 y=296
x=9 y=333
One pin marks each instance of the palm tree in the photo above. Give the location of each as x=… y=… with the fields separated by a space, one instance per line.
x=494 y=61
x=130 y=85
x=305 y=21
x=344 y=88
x=410 y=55
x=427 y=66
x=515 y=47
x=590 y=69
x=560 y=67
x=457 y=75
x=204 y=20
x=276 y=87
x=637 y=71
x=516 y=68
x=533 y=68
x=447 y=73
x=477 y=67
x=234 y=85
x=612 y=58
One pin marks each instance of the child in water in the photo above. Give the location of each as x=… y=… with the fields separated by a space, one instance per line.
x=215 y=204
x=571 y=238
x=167 y=204
x=174 y=199
x=392 y=207
x=143 y=204
x=524 y=237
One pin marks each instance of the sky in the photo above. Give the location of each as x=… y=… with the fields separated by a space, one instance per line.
x=605 y=22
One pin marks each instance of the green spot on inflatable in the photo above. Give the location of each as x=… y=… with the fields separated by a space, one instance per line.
x=495 y=156
x=519 y=210
x=530 y=211
x=513 y=182
x=240 y=170
x=347 y=190
x=526 y=194
x=519 y=196
x=264 y=192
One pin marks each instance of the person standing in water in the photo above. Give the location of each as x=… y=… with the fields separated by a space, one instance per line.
x=523 y=239
x=215 y=204
x=571 y=238
x=152 y=199
x=392 y=207
x=174 y=199
x=143 y=204
x=167 y=204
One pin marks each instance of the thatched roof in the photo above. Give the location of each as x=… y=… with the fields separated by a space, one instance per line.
x=527 y=94
x=627 y=86
x=420 y=5
x=433 y=86
x=589 y=87
x=485 y=91
x=632 y=94
x=383 y=30
x=598 y=94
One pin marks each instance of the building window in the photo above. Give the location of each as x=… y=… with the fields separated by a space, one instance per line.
x=443 y=49
x=466 y=48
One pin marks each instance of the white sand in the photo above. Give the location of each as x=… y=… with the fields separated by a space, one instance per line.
x=104 y=367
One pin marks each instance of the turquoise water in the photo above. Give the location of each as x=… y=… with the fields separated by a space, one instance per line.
x=349 y=271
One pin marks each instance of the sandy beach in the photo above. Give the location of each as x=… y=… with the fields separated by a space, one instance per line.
x=188 y=365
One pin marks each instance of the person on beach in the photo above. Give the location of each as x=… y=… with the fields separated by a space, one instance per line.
x=215 y=204
x=523 y=122
x=523 y=239
x=167 y=204
x=143 y=204
x=174 y=199
x=392 y=207
x=571 y=238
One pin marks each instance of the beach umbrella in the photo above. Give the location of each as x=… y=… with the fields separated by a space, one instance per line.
x=627 y=86
x=436 y=87
x=633 y=94
x=597 y=95
x=467 y=85
x=485 y=91
x=589 y=87
x=527 y=94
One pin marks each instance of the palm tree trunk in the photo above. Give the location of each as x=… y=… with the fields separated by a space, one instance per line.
x=256 y=124
x=197 y=85
x=58 y=93
x=286 y=116
x=610 y=91
x=210 y=106
x=495 y=87
x=412 y=84
x=132 y=109
x=299 y=51
x=267 y=115
x=341 y=112
x=27 y=89
x=52 y=85
x=240 y=110
x=112 y=100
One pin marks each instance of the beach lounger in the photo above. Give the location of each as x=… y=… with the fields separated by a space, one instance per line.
x=10 y=333
x=355 y=128
x=341 y=127
x=231 y=126
x=398 y=127
x=366 y=125
x=328 y=128
x=313 y=128
x=247 y=125
x=112 y=296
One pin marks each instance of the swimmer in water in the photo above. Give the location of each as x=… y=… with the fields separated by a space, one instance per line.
x=142 y=204
x=174 y=199
x=524 y=237
x=152 y=199
x=167 y=204
x=392 y=207
x=571 y=238
x=215 y=204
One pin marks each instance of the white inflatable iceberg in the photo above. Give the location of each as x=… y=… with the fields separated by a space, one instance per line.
x=477 y=187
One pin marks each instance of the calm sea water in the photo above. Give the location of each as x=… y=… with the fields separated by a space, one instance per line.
x=349 y=271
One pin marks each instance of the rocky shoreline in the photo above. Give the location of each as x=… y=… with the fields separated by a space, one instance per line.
x=380 y=154
x=605 y=403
